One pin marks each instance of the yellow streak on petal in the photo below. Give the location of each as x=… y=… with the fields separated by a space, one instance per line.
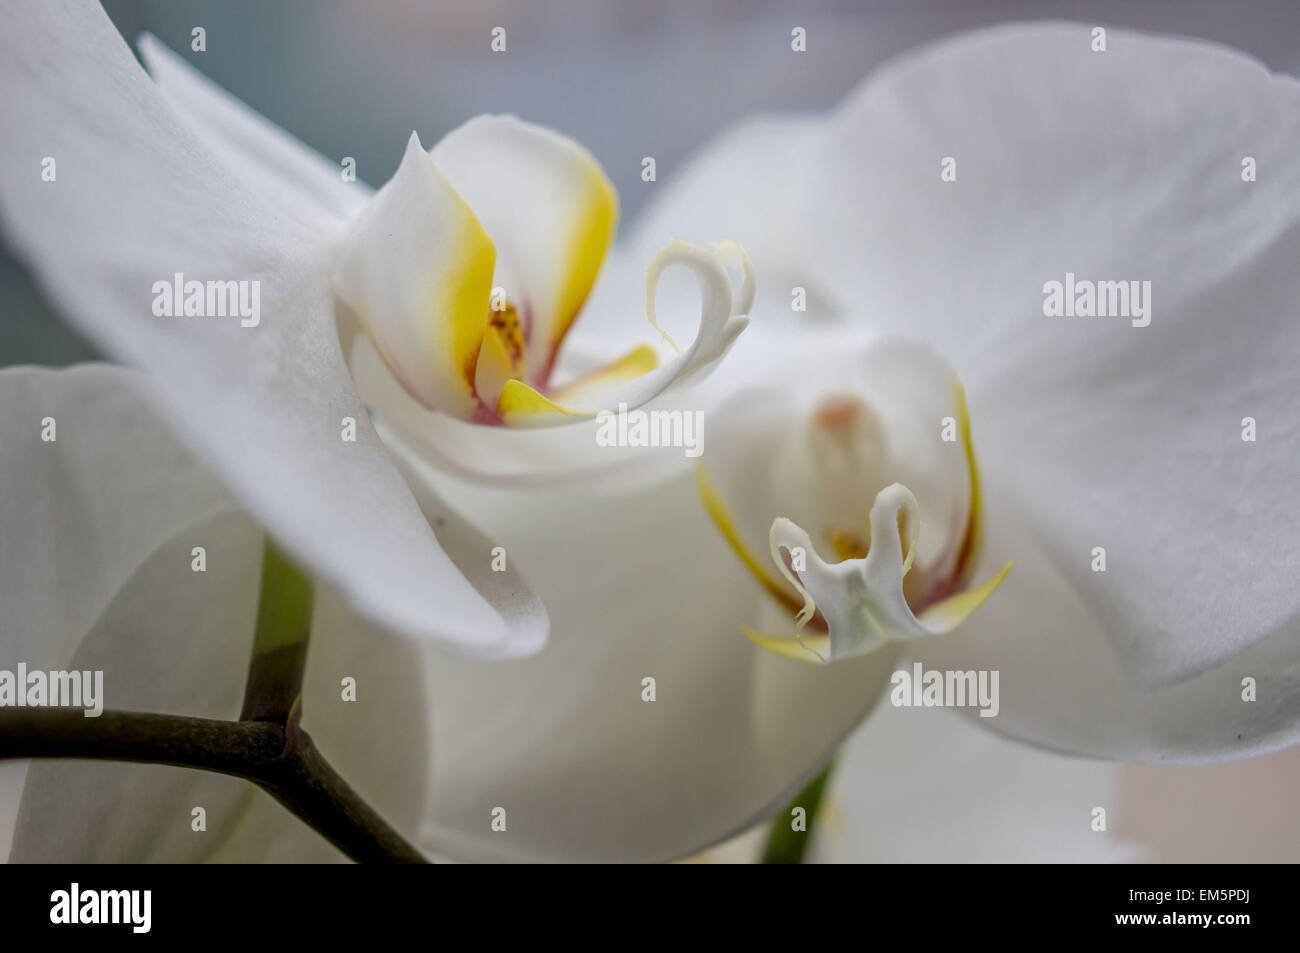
x=510 y=334
x=717 y=509
x=974 y=512
x=589 y=240
x=813 y=649
x=642 y=359
x=847 y=544
x=460 y=298
x=521 y=406
x=954 y=610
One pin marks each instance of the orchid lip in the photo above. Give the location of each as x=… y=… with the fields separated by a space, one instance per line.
x=875 y=590
x=468 y=283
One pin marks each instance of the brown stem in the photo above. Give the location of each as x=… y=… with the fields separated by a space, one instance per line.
x=285 y=765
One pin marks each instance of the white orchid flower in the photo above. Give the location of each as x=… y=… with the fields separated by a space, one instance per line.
x=564 y=742
x=1151 y=614
x=465 y=271
x=846 y=466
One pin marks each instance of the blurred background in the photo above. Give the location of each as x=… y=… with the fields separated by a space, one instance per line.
x=661 y=77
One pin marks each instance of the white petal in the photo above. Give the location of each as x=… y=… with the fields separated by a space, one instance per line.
x=137 y=199
x=503 y=456
x=761 y=450
x=550 y=210
x=746 y=186
x=485 y=562
x=923 y=785
x=822 y=456
x=862 y=599
x=262 y=154
x=1062 y=686
x=416 y=269
x=83 y=510
x=638 y=587
x=722 y=319
x=80 y=512
x=103 y=811
x=1122 y=165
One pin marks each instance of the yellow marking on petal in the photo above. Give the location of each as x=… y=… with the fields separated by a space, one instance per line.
x=589 y=240
x=642 y=359
x=510 y=333
x=416 y=267
x=813 y=649
x=717 y=509
x=849 y=545
x=954 y=610
x=919 y=586
x=846 y=544
x=460 y=296
x=521 y=406
x=974 y=512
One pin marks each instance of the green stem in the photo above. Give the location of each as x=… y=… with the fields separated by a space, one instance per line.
x=284 y=763
x=785 y=845
x=279 y=656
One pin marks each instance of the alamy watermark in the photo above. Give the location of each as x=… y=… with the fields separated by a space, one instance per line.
x=55 y=689
x=209 y=299
x=919 y=688
x=131 y=907
x=1101 y=299
x=651 y=428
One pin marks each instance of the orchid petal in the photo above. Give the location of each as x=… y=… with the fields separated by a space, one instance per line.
x=550 y=210
x=890 y=404
x=258 y=151
x=416 y=270
x=816 y=644
x=747 y=184
x=1106 y=434
x=974 y=798
x=762 y=461
x=138 y=198
x=500 y=456
x=862 y=600
x=721 y=321
x=584 y=768
x=79 y=512
x=1063 y=687
x=637 y=362
x=726 y=523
